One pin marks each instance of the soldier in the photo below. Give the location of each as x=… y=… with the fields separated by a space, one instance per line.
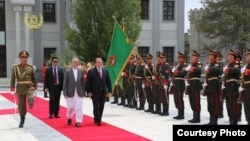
x=148 y=72
x=179 y=85
x=125 y=80
x=155 y=85
x=25 y=77
x=195 y=86
x=131 y=81
x=221 y=102
x=116 y=93
x=164 y=74
x=212 y=72
x=239 y=106
x=245 y=96
x=232 y=76
x=139 y=76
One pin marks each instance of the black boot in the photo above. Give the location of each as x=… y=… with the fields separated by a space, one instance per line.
x=21 y=122
x=141 y=107
x=115 y=100
x=122 y=102
x=164 y=110
x=157 y=109
x=180 y=115
x=196 y=118
x=149 y=108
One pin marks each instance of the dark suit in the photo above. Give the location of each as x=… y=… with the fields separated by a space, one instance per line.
x=54 y=90
x=99 y=87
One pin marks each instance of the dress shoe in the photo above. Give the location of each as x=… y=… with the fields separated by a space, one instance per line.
x=114 y=102
x=194 y=121
x=179 y=117
x=78 y=124
x=98 y=123
x=164 y=114
x=120 y=104
x=69 y=122
x=57 y=116
x=147 y=110
x=140 y=108
x=50 y=116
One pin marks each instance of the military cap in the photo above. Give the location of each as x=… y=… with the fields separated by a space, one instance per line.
x=149 y=56
x=233 y=52
x=138 y=56
x=158 y=53
x=24 y=54
x=163 y=55
x=181 y=55
x=195 y=53
x=132 y=56
x=213 y=52
x=219 y=54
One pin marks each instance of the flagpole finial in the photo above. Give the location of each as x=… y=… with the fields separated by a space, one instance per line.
x=114 y=18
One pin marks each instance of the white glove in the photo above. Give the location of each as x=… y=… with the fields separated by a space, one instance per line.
x=223 y=87
x=206 y=67
x=143 y=86
x=188 y=68
x=186 y=83
x=165 y=87
x=173 y=69
x=146 y=66
x=243 y=69
x=171 y=84
x=225 y=68
x=122 y=74
x=12 y=92
x=116 y=83
x=241 y=89
x=153 y=77
x=205 y=83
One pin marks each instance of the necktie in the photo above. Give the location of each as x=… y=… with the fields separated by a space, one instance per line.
x=100 y=73
x=55 y=76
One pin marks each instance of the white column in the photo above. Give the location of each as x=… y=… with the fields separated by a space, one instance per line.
x=27 y=9
x=18 y=9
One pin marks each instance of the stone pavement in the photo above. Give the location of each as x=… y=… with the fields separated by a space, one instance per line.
x=154 y=127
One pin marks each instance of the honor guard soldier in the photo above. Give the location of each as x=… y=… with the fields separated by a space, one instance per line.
x=212 y=73
x=125 y=80
x=131 y=80
x=195 y=86
x=148 y=72
x=231 y=81
x=155 y=84
x=221 y=102
x=25 y=77
x=245 y=86
x=179 y=85
x=239 y=107
x=164 y=74
x=139 y=77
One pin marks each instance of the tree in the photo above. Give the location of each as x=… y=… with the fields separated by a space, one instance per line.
x=94 y=23
x=226 y=20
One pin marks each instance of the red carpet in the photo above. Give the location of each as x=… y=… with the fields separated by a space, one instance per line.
x=88 y=131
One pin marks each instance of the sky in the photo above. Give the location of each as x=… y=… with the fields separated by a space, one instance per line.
x=190 y=4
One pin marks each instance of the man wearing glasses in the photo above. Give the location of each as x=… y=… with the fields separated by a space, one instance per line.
x=53 y=84
x=24 y=75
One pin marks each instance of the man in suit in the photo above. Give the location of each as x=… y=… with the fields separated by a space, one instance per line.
x=53 y=84
x=73 y=91
x=98 y=87
x=24 y=75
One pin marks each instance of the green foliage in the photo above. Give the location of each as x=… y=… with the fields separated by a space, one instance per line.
x=226 y=20
x=94 y=25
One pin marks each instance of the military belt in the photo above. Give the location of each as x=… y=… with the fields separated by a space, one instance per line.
x=212 y=78
x=247 y=82
x=195 y=78
x=138 y=77
x=25 y=82
x=231 y=80
x=149 y=77
x=178 y=78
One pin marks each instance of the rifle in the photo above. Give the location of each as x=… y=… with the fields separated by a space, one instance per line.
x=171 y=90
x=240 y=98
x=222 y=94
x=205 y=83
x=187 y=81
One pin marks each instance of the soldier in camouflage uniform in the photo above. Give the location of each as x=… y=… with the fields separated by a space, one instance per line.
x=179 y=73
x=131 y=81
x=245 y=95
x=155 y=85
x=148 y=72
x=195 y=86
x=212 y=72
x=232 y=76
x=164 y=73
x=24 y=75
x=139 y=77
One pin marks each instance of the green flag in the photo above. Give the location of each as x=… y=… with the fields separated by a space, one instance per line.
x=118 y=54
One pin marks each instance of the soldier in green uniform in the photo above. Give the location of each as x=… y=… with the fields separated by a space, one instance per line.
x=23 y=77
x=116 y=93
x=232 y=76
x=245 y=84
x=139 y=77
x=131 y=81
x=221 y=102
x=148 y=72
x=125 y=83
x=212 y=72
x=195 y=86
x=164 y=74
x=239 y=106
x=156 y=85
x=179 y=73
